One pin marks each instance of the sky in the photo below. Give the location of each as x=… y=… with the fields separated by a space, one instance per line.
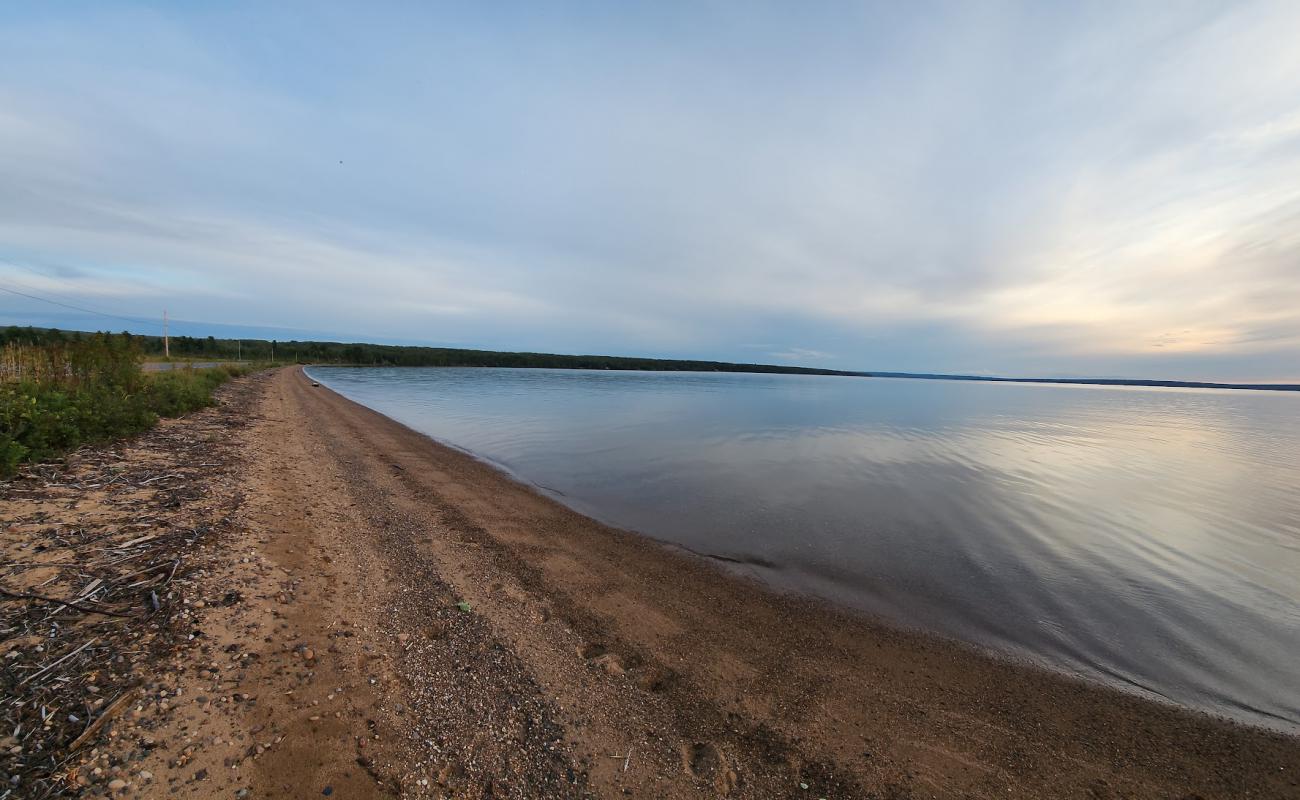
x=1051 y=189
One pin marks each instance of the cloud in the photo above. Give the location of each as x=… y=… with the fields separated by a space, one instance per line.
x=800 y=355
x=1009 y=187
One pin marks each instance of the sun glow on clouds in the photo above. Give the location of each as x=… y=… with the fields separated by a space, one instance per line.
x=1008 y=189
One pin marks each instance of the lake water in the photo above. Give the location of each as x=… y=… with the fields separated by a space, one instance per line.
x=1145 y=538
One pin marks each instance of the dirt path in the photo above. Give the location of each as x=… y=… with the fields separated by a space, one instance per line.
x=411 y=622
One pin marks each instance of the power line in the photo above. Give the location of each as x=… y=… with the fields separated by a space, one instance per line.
x=79 y=308
x=151 y=322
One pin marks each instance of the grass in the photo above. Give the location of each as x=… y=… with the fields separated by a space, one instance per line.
x=58 y=397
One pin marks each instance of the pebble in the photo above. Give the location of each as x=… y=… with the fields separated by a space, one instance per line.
x=116 y=785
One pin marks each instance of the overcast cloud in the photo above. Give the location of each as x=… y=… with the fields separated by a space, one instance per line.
x=1103 y=189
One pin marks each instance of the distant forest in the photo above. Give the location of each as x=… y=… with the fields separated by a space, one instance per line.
x=388 y=355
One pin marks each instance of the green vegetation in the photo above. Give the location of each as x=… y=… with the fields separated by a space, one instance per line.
x=63 y=392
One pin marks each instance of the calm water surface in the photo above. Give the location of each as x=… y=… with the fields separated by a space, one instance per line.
x=1146 y=538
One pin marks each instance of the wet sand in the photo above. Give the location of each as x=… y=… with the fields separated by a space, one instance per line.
x=412 y=622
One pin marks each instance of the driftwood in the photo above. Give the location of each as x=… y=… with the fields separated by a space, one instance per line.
x=104 y=716
x=65 y=603
x=56 y=663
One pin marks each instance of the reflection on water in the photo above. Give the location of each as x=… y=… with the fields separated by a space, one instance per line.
x=1147 y=538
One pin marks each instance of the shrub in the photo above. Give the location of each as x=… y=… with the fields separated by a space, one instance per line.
x=55 y=398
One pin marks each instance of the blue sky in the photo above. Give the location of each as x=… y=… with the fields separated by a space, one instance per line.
x=1013 y=188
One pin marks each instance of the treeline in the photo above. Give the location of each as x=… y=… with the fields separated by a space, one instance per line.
x=59 y=392
x=210 y=348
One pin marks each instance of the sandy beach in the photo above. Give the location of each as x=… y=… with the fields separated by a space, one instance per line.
x=362 y=612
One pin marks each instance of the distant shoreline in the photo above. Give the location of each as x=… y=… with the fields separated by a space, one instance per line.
x=764 y=369
x=1140 y=383
x=361 y=354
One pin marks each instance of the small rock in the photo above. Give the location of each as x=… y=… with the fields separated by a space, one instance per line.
x=610 y=664
x=116 y=785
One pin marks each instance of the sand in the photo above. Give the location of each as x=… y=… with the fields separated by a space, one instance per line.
x=411 y=622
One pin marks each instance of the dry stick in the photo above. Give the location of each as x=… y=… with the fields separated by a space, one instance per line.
x=67 y=603
x=56 y=663
x=149 y=568
x=114 y=707
x=136 y=541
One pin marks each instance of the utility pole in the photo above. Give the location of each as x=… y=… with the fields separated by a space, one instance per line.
x=167 y=347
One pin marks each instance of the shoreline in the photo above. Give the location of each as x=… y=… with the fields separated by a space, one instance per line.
x=413 y=622
x=760 y=573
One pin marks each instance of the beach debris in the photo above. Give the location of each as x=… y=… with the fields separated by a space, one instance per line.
x=104 y=716
x=101 y=550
